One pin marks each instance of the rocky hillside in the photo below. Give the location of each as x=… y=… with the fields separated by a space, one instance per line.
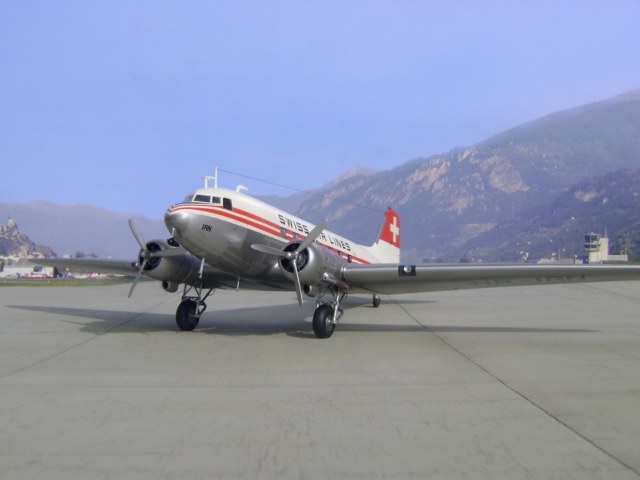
x=293 y=202
x=14 y=243
x=606 y=203
x=82 y=228
x=449 y=199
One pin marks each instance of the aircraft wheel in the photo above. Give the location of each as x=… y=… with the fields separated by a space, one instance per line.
x=323 y=326
x=376 y=301
x=186 y=317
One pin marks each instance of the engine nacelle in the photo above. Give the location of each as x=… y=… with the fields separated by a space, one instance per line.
x=173 y=270
x=313 y=263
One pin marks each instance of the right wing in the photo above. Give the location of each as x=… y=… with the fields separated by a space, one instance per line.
x=395 y=279
x=211 y=277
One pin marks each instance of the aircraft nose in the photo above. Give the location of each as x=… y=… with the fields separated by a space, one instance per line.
x=177 y=222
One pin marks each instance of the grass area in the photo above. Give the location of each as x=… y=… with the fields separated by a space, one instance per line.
x=61 y=282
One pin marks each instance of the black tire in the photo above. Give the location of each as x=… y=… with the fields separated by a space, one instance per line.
x=376 y=301
x=323 y=326
x=186 y=317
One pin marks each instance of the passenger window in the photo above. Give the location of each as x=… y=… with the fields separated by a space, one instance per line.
x=226 y=203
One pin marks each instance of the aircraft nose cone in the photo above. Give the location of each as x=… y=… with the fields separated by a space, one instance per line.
x=177 y=222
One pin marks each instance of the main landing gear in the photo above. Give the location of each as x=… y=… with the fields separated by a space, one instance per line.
x=325 y=317
x=191 y=307
x=327 y=314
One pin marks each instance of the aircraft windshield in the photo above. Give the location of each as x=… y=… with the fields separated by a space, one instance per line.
x=202 y=199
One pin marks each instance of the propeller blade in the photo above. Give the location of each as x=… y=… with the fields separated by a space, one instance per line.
x=137 y=234
x=171 y=252
x=313 y=235
x=135 y=282
x=298 y=285
x=270 y=250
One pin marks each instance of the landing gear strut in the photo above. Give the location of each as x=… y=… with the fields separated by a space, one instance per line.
x=191 y=307
x=327 y=314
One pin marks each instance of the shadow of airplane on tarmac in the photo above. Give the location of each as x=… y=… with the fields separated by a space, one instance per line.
x=264 y=320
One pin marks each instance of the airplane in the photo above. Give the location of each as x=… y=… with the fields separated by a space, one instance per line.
x=222 y=238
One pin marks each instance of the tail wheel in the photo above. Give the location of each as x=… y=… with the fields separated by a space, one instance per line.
x=323 y=325
x=376 y=301
x=186 y=317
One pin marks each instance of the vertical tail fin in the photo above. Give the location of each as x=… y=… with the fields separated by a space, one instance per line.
x=387 y=246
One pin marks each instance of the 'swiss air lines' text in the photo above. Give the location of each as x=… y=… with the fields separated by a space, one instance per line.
x=303 y=229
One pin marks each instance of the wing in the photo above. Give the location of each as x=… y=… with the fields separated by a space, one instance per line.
x=394 y=279
x=212 y=278
x=117 y=267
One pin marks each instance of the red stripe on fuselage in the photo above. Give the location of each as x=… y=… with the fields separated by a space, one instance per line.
x=270 y=228
x=256 y=222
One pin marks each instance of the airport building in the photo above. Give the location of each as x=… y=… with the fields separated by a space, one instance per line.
x=27 y=270
x=597 y=251
x=597 y=248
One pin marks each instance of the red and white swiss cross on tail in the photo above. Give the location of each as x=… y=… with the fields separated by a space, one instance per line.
x=390 y=232
x=387 y=247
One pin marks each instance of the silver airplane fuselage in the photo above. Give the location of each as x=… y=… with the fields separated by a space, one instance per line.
x=220 y=226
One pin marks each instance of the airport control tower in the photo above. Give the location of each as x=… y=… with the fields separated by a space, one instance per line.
x=597 y=248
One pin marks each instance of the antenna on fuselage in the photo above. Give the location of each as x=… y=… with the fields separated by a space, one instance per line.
x=214 y=178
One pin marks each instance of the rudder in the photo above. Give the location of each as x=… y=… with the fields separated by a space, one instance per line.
x=387 y=246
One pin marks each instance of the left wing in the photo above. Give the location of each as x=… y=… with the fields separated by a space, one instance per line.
x=394 y=279
x=117 y=267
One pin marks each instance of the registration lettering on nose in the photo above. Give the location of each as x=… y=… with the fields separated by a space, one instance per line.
x=206 y=227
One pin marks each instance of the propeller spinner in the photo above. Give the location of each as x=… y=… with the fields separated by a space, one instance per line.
x=146 y=253
x=293 y=255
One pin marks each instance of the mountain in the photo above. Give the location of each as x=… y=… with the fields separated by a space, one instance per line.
x=446 y=200
x=15 y=243
x=468 y=202
x=606 y=203
x=293 y=202
x=82 y=228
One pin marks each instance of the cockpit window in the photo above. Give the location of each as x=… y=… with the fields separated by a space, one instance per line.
x=202 y=199
x=226 y=203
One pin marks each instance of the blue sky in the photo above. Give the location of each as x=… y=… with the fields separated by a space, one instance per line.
x=127 y=105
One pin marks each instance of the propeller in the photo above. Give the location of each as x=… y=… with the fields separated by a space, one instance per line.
x=292 y=256
x=147 y=254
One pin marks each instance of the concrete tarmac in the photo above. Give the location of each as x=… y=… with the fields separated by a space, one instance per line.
x=515 y=383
